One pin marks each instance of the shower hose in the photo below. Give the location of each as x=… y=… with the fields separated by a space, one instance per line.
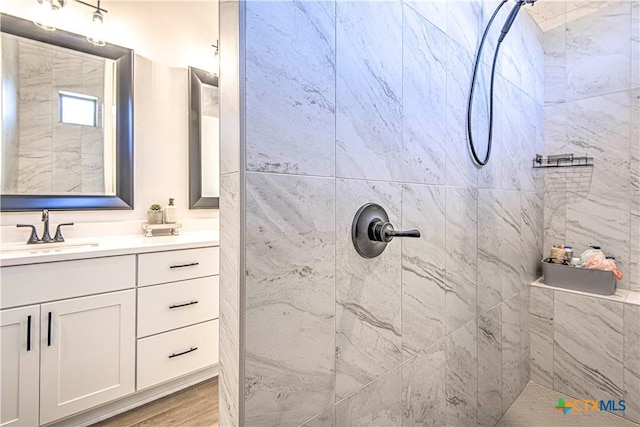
x=474 y=153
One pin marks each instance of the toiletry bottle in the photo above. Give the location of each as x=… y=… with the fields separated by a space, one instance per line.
x=568 y=254
x=170 y=213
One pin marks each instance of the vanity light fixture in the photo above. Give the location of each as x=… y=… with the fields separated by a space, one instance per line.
x=96 y=24
x=45 y=13
x=46 y=16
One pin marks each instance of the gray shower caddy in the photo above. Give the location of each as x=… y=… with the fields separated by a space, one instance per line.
x=579 y=279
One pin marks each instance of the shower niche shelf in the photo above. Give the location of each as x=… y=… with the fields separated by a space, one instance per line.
x=562 y=161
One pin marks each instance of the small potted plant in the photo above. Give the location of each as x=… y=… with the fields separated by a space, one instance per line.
x=154 y=214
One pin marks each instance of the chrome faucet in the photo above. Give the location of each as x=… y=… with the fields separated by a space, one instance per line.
x=46 y=237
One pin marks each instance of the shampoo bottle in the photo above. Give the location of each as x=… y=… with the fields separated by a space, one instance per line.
x=170 y=213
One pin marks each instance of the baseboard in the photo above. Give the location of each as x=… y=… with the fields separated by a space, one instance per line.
x=136 y=399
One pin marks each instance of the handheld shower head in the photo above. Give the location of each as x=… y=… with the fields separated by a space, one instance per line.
x=505 y=29
x=512 y=17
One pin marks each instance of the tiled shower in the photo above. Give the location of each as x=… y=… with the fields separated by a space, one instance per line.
x=580 y=345
x=328 y=105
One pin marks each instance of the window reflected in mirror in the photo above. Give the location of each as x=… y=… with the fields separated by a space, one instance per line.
x=77 y=109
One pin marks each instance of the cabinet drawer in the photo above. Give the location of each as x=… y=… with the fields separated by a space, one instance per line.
x=171 y=266
x=172 y=354
x=31 y=284
x=174 y=305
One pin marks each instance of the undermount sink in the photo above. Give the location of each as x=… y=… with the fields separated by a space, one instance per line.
x=41 y=248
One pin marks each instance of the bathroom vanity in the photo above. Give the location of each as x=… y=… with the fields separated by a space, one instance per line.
x=90 y=329
x=98 y=328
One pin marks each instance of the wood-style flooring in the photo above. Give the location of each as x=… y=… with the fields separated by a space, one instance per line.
x=195 y=406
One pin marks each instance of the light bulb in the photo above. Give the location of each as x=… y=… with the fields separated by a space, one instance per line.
x=96 y=28
x=45 y=14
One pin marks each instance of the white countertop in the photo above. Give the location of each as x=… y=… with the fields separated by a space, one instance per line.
x=621 y=295
x=106 y=246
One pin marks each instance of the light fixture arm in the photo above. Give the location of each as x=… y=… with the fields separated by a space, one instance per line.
x=216 y=59
x=97 y=8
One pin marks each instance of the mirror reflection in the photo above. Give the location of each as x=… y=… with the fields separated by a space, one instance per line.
x=204 y=144
x=209 y=135
x=58 y=134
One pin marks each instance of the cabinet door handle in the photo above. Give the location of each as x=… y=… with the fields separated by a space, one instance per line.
x=181 y=353
x=183 y=305
x=191 y=264
x=49 y=330
x=29 y=333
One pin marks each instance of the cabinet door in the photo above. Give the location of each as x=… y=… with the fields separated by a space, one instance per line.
x=20 y=366
x=87 y=353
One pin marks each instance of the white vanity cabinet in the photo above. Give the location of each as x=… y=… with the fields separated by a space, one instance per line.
x=177 y=314
x=66 y=352
x=84 y=338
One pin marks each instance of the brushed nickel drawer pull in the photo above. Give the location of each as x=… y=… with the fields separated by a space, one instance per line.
x=183 y=305
x=191 y=264
x=184 y=352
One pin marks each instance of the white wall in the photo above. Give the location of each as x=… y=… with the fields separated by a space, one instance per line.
x=167 y=36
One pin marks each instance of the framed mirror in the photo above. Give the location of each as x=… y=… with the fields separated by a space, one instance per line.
x=67 y=121
x=204 y=140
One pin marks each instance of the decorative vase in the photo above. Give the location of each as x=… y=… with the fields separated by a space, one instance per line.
x=154 y=217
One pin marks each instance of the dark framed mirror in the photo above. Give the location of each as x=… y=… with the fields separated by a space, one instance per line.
x=204 y=140
x=76 y=160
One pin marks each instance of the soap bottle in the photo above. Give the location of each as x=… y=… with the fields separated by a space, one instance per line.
x=170 y=213
x=568 y=255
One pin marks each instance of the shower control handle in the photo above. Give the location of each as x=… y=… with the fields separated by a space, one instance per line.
x=371 y=230
x=382 y=231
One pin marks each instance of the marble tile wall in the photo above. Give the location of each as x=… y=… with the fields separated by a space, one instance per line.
x=303 y=149
x=580 y=345
x=54 y=157
x=631 y=360
x=490 y=347
x=231 y=367
x=586 y=347
x=291 y=300
x=343 y=103
x=368 y=295
x=593 y=110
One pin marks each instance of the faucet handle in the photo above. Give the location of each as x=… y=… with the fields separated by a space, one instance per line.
x=33 y=238
x=383 y=231
x=58 y=237
x=45 y=215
